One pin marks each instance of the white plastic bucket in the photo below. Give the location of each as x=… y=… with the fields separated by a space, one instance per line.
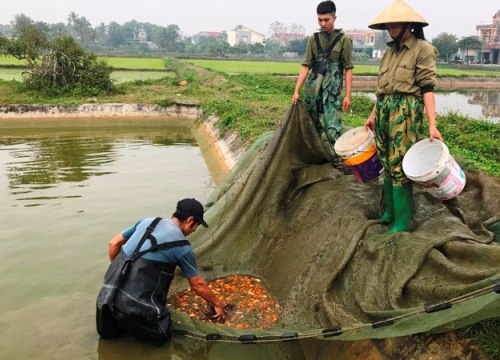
x=430 y=164
x=357 y=149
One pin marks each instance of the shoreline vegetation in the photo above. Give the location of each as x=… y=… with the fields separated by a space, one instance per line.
x=251 y=104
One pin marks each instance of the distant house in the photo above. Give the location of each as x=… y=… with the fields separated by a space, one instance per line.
x=363 y=41
x=207 y=34
x=243 y=35
x=284 y=38
x=490 y=38
x=141 y=37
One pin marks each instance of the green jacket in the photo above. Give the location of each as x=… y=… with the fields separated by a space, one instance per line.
x=344 y=46
x=408 y=69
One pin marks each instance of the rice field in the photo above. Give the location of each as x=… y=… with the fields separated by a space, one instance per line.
x=119 y=76
x=292 y=68
x=11 y=74
x=118 y=62
x=135 y=63
x=265 y=67
x=226 y=66
x=11 y=60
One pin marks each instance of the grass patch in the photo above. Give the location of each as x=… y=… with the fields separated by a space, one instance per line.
x=252 y=104
x=487 y=335
x=120 y=77
x=475 y=143
x=254 y=67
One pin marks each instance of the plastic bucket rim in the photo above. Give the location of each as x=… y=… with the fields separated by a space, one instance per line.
x=346 y=152
x=433 y=172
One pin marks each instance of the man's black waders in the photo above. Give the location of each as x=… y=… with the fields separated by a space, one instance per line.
x=134 y=293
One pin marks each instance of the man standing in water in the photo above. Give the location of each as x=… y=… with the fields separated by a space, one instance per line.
x=328 y=59
x=143 y=261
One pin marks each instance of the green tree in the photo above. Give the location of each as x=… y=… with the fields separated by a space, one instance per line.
x=469 y=43
x=6 y=30
x=446 y=45
x=381 y=39
x=59 y=66
x=167 y=37
x=21 y=24
x=130 y=28
x=116 y=35
x=30 y=41
x=57 y=30
x=272 y=48
x=298 y=46
x=81 y=29
x=101 y=35
x=214 y=46
x=277 y=27
x=256 y=48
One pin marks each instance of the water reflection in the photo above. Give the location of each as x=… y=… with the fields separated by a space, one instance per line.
x=39 y=163
x=479 y=105
x=59 y=159
x=489 y=101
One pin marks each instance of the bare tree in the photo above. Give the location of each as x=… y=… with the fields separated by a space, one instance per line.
x=297 y=29
x=277 y=28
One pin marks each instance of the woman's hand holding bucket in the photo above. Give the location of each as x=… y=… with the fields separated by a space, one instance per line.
x=434 y=133
x=369 y=123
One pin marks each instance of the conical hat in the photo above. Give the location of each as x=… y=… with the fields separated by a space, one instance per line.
x=397 y=12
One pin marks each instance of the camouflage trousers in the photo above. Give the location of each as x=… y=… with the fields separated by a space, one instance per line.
x=323 y=101
x=398 y=125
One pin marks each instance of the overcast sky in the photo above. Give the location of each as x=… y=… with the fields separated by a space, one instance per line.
x=458 y=17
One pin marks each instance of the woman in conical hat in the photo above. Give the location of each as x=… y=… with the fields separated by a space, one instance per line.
x=406 y=81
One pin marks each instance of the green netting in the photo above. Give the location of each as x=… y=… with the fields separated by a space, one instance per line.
x=288 y=216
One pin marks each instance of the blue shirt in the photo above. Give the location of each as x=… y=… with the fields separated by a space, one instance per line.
x=165 y=231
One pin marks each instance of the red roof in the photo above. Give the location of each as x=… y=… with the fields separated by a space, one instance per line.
x=209 y=33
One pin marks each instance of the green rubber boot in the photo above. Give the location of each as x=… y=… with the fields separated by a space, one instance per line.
x=403 y=208
x=388 y=215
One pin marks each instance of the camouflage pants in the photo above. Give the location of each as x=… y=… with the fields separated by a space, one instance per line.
x=398 y=125
x=323 y=101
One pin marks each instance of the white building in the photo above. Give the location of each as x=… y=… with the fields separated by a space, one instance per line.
x=243 y=35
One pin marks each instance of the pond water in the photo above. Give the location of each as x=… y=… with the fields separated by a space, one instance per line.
x=66 y=187
x=479 y=105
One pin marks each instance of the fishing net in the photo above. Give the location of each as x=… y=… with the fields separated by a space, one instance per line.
x=287 y=216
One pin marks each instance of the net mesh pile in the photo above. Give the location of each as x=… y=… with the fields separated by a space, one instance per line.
x=289 y=217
